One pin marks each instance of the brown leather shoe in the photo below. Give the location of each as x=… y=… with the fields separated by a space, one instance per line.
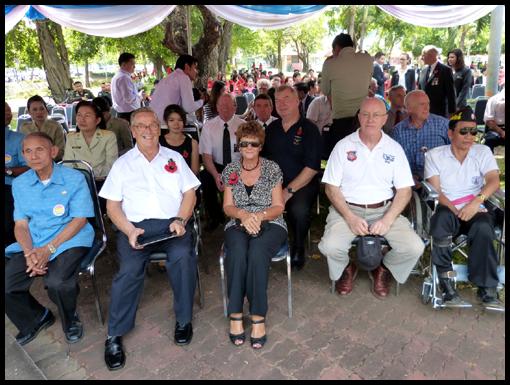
x=380 y=278
x=344 y=284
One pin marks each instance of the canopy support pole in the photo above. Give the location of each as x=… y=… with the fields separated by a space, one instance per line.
x=495 y=38
x=188 y=21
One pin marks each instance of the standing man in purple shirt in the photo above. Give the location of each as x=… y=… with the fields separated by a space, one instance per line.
x=124 y=93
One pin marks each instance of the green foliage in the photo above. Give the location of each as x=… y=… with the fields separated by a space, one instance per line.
x=22 y=43
x=81 y=46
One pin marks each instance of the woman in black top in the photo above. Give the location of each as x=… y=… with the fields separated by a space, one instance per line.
x=461 y=77
x=175 y=117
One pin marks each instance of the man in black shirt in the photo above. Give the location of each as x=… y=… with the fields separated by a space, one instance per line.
x=295 y=144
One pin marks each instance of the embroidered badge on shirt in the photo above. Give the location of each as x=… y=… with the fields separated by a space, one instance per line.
x=475 y=180
x=388 y=158
x=351 y=156
x=8 y=158
x=59 y=210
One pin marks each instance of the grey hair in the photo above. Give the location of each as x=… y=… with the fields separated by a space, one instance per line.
x=143 y=109
x=394 y=88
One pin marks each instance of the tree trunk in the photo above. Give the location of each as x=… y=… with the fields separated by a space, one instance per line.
x=62 y=49
x=280 y=64
x=351 y=24
x=57 y=73
x=213 y=63
x=463 y=37
x=224 y=47
x=363 y=28
x=87 y=80
x=176 y=39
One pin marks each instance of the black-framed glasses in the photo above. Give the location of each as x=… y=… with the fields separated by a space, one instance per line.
x=253 y=144
x=472 y=130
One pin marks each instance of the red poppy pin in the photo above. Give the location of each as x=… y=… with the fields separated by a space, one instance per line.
x=185 y=154
x=436 y=71
x=171 y=167
x=233 y=178
x=300 y=131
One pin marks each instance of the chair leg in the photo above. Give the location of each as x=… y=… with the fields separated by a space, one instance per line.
x=222 y=269
x=332 y=287
x=200 y=290
x=289 y=284
x=96 y=295
x=397 y=294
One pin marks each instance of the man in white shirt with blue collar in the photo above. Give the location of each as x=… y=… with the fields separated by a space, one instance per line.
x=360 y=176
x=176 y=88
x=458 y=172
x=125 y=95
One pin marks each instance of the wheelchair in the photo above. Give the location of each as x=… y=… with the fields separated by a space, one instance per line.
x=421 y=208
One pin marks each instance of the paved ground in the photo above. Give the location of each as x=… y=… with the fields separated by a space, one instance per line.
x=327 y=338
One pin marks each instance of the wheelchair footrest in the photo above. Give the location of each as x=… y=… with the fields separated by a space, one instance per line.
x=462 y=273
x=495 y=308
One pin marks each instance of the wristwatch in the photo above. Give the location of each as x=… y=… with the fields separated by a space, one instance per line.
x=52 y=248
x=9 y=172
x=290 y=191
x=180 y=220
x=482 y=196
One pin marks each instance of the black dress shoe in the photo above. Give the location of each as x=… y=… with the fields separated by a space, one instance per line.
x=183 y=333
x=75 y=332
x=489 y=297
x=114 y=353
x=297 y=260
x=45 y=323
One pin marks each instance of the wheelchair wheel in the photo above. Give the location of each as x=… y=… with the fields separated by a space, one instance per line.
x=426 y=292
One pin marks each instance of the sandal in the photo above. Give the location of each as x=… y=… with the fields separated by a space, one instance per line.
x=259 y=340
x=237 y=337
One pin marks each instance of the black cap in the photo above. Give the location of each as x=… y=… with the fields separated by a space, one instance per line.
x=464 y=115
x=369 y=252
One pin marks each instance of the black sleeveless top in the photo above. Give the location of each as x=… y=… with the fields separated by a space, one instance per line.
x=184 y=149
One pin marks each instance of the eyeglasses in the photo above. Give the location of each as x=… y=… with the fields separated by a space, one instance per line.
x=472 y=130
x=143 y=127
x=377 y=115
x=253 y=144
x=225 y=104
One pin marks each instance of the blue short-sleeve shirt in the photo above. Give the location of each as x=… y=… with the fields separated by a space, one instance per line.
x=13 y=157
x=50 y=208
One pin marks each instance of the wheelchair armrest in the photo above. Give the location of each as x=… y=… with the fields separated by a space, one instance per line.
x=498 y=199
x=431 y=192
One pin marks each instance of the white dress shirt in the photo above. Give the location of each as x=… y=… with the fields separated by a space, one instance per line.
x=125 y=96
x=271 y=119
x=495 y=109
x=364 y=176
x=175 y=88
x=146 y=189
x=211 y=140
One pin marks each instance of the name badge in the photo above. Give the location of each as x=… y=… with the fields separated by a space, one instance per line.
x=76 y=147
x=59 y=210
x=8 y=158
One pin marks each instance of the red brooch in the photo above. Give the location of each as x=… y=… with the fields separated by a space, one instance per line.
x=300 y=131
x=171 y=166
x=233 y=178
x=185 y=155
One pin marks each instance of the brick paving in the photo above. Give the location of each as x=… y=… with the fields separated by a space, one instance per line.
x=328 y=337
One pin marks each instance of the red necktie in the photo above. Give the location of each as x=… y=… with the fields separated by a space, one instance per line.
x=398 y=119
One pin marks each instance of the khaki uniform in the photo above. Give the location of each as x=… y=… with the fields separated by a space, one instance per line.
x=53 y=129
x=101 y=154
x=75 y=96
x=122 y=132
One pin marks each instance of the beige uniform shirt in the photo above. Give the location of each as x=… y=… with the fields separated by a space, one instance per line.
x=121 y=131
x=53 y=129
x=101 y=154
x=347 y=77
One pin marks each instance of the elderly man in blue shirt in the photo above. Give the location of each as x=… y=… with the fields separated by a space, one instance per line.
x=421 y=129
x=52 y=203
x=15 y=165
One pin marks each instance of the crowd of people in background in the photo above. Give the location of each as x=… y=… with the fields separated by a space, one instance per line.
x=263 y=160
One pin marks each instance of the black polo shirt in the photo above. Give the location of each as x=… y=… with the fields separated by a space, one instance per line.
x=295 y=149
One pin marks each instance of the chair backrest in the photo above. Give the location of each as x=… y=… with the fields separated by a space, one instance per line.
x=22 y=119
x=480 y=104
x=87 y=171
x=62 y=120
x=21 y=110
x=58 y=110
x=192 y=129
x=478 y=91
x=250 y=97
x=242 y=104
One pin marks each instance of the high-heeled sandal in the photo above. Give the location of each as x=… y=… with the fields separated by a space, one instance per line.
x=237 y=337
x=259 y=340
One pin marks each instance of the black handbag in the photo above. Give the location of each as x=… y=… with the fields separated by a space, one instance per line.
x=263 y=226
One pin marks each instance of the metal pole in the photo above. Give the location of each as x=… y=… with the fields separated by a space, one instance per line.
x=496 y=35
x=188 y=28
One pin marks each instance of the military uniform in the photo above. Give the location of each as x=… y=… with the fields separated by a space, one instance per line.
x=107 y=96
x=76 y=96
x=53 y=129
x=101 y=154
x=121 y=130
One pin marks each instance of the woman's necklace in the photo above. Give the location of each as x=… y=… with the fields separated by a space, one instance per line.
x=251 y=169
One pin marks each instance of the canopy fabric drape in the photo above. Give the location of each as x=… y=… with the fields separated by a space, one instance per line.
x=127 y=20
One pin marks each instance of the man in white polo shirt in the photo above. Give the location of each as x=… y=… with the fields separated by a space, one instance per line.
x=361 y=173
x=458 y=172
x=150 y=192
x=218 y=148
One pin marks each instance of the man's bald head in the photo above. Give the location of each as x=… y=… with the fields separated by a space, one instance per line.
x=371 y=103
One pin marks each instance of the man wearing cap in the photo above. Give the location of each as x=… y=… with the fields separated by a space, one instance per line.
x=360 y=176
x=459 y=172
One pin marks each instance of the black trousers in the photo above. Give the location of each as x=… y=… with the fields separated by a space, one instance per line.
x=482 y=261
x=493 y=139
x=181 y=266
x=125 y=115
x=299 y=216
x=339 y=130
x=248 y=263
x=9 y=216
x=60 y=281
x=210 y=191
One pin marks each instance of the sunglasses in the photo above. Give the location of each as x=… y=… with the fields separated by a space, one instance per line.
x=472 y=130
x=253 y=144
